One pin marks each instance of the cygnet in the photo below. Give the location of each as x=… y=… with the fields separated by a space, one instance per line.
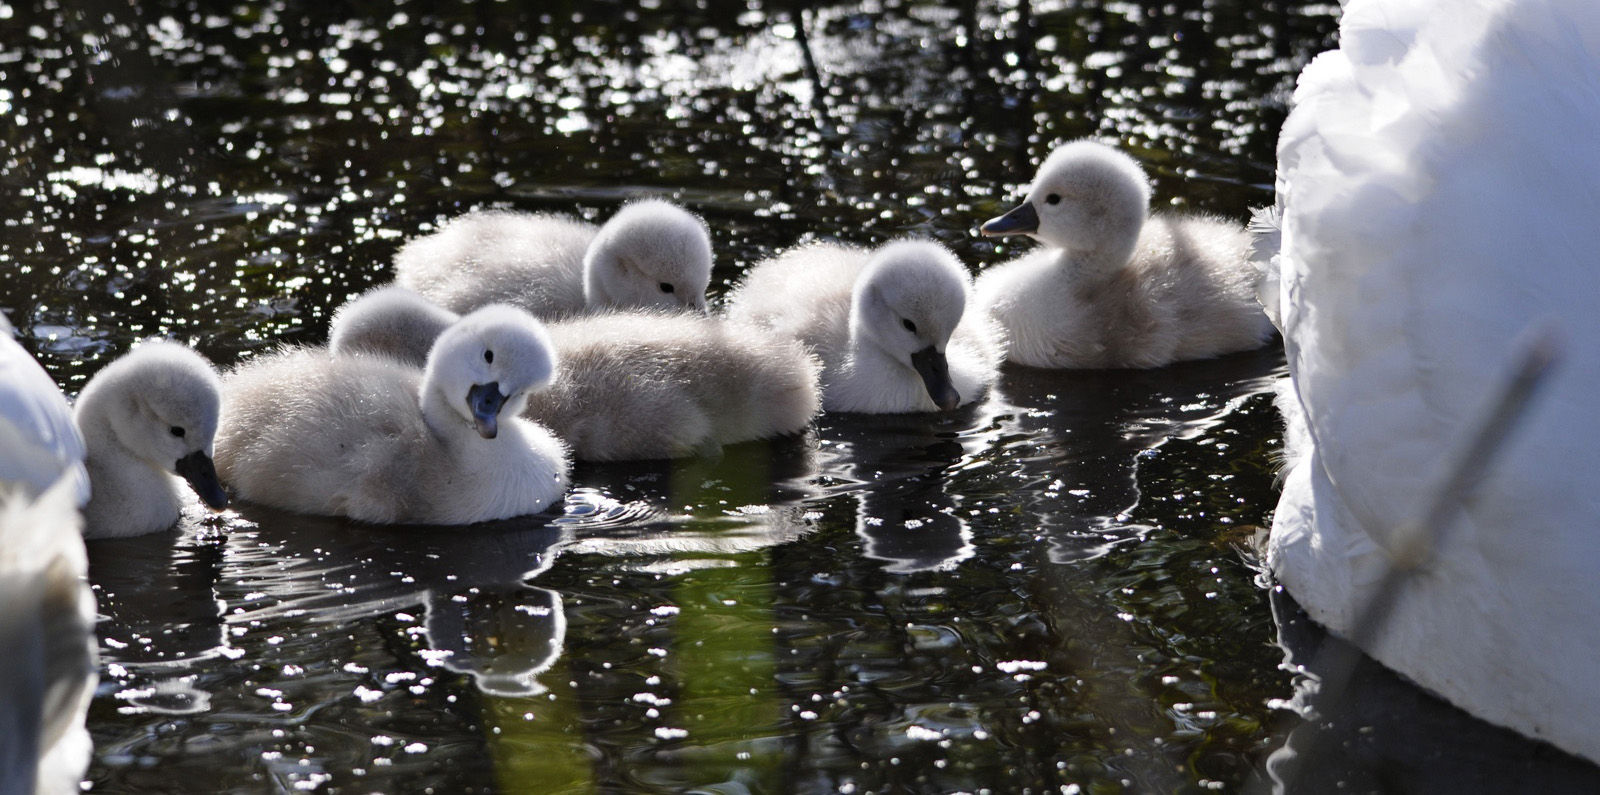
x=889 y=325
x=651 y=254
x=378 y=440
x=1115 y=286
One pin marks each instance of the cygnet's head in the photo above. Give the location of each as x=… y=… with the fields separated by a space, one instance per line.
x=651 y=254
x=388 y=321
x=487 y=363
x=160 y=403
x=1086 y=197
x=907 y=302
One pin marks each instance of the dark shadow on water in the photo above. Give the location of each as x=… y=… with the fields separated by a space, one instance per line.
x=1391 y=736
x=1083 y=433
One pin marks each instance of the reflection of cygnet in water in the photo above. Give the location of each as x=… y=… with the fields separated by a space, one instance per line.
x=752 y=498
x=503 y=638
x=327 y=570
x=480 y=616
x=158 y=598
x=912 y=526
x=1083 y=434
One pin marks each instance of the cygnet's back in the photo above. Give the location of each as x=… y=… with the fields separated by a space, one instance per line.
x=379 y=440
x=634 y=385
x=651 y=385
x=1114 y=286
x=389 y=321
x=651 y=254
x=889 y=324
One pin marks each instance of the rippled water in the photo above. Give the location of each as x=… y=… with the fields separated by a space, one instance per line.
x=1053 y=590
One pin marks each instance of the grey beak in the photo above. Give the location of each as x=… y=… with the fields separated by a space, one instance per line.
x=1020 y=221
x=198 y=469
x=485 y=400
x=935 y=372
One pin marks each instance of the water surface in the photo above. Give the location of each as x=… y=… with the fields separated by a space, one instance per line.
x=1054 y=590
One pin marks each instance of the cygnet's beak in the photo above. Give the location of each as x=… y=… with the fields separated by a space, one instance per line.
x=1020 y=221
x=485 y=400
x=935 y=372
x=198 y=469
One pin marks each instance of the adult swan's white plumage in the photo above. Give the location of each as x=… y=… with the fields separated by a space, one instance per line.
x=890 y=325
x=38 y=440
x=381 y=441
x=1440 y=190
x=47 y=660
x=633 y=384
x=1115 y=286
x=651 y=254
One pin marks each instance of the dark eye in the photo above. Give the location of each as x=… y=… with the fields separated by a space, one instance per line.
x=176 y=431
x=488 y=356
x=667 y=288
x=911 y=327
x=1054 y=198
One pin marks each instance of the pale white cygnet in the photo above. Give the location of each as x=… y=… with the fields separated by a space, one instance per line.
x=146 y=417
x=634 y=385
x=651 y=255
x=39 y=443
x=889 y=325
x=1115 y=286
x=379 y=440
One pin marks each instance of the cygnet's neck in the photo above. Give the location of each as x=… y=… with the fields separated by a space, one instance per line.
x=1083 y=267
x=440 y=416
x=870 y=368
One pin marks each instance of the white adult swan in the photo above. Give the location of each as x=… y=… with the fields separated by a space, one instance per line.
x=47 y=668
x=1115 y=286
x=1440 y=192
x=380 y=441
x=633 y=385
x=146 y=417
x=39 y=442
x=891 y=325
x=651 y=254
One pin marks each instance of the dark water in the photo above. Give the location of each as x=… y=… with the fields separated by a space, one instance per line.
x=1052 y=591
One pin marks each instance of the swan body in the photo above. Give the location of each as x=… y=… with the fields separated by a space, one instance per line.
x=378 y=440
x=1434 y=207
x=889 y=325
x=145 y=418
x=48 y=669
x=1115 y=286
x=634 y=385
x=651 y=254
x=38 y=440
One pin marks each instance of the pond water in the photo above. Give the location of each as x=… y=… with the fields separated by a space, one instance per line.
x=1055 y=590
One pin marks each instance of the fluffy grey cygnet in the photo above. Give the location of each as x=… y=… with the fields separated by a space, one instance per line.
x=651 y=255
x=891 y=325
x=634 y=385
x=379 y=440
x=1114 y=285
